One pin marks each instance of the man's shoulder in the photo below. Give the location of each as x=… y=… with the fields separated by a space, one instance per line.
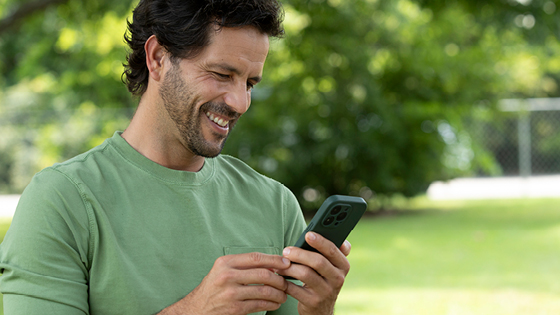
x=90 y=159
x=82 y=168
x=231 y=165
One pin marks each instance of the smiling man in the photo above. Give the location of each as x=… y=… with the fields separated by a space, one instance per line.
x=191 y=105
x=156 y=220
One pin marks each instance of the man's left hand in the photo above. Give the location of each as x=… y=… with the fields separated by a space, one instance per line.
x=322 y=274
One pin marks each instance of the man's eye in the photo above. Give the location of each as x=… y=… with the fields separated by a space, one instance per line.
x=250 y=86
x=221 y=75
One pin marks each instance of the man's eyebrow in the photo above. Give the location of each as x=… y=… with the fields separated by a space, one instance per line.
x=229 y=68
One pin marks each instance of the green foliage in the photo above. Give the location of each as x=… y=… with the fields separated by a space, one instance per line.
x=60 y=88
x=362 y=97
x=369 y=97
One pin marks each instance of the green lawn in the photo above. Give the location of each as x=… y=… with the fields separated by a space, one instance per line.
x=478 y=257
x=455 y=258
x=4 y=225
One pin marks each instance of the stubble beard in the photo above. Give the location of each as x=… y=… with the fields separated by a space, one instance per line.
x=180 y=104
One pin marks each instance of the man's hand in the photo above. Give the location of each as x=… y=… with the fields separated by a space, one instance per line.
x=237 y=284
x=322 y=275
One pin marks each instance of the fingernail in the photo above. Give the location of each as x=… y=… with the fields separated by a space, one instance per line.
x=312 y=236
x=286 y=261
x=286 y=251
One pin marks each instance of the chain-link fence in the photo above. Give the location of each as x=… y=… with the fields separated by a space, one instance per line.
x=525 y=139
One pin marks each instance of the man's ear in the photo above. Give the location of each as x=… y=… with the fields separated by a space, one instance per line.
x=155 y=55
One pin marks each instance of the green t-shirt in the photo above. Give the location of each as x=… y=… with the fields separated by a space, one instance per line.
x=112 y=232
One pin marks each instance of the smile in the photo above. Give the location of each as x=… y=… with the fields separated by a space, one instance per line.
x=219 y=121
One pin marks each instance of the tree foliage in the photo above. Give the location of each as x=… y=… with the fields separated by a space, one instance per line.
x=60 y=88
x=372 y=96
x=362 y=97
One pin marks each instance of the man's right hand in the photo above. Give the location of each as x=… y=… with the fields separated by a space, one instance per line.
x=237 y=284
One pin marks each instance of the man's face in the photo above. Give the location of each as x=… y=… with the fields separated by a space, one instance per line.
x=206 y=95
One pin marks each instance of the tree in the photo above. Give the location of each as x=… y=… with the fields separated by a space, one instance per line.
x=372 y=96
x=60 y=89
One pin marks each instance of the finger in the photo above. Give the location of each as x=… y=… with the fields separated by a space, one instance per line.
x=262 y=293
x=262 y=276
x=305 y=274
x=345 y=248
x=255 y=306
x=328 y=249
x=300 y=293
x=256 y=260
x=315 y=264
x=333 y=269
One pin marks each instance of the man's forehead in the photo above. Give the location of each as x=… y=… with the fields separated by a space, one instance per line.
x=228 y=44
x=238 y=36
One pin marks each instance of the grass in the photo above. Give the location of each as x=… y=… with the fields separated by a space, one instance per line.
x=454 y=258
x=477 y=257
x=4 y=225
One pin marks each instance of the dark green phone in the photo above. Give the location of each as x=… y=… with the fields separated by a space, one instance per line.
x=335 y=219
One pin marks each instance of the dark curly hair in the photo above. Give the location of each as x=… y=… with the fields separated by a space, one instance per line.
x=183 y=28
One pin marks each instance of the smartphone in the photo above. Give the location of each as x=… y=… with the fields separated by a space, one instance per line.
x=335 y=219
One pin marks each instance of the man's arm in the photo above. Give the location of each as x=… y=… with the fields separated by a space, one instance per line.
x=22 y=304
x=237 y=284
x=43 y=257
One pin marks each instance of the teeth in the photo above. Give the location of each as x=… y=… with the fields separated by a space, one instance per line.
x=217 y=120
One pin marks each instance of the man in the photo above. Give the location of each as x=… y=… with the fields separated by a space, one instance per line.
x=155 y=220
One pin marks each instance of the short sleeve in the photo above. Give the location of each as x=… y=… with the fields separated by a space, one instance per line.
x=44 y=256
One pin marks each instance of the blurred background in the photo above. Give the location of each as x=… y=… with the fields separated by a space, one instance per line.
x=430 y=110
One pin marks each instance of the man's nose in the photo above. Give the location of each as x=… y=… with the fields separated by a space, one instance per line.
x=238 y=98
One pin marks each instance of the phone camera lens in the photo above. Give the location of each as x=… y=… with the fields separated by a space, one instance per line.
x=328 y=221
x=341 y=216
x=336 y=210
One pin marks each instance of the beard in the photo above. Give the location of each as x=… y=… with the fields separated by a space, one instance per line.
x=180 y=103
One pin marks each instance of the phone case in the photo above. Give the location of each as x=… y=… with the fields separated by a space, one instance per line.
x=335 y=219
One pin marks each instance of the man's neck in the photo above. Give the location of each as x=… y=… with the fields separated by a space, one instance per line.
x=153 y=136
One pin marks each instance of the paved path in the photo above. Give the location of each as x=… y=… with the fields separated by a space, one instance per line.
x=8 y=205
x=496 y=188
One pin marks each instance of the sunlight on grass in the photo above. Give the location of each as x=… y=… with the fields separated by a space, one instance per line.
x=487 y=257
x=4 y=225
x=410 y=301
